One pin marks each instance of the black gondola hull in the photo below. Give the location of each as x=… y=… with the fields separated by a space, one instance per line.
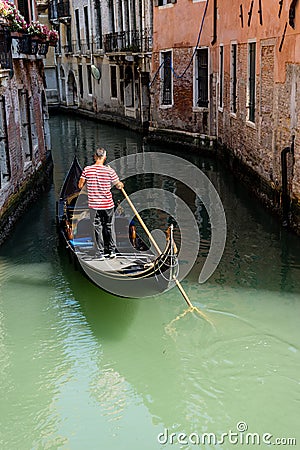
x=134 y=274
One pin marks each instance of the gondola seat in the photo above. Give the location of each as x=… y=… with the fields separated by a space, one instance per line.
x=83 y=234
x=85 y=242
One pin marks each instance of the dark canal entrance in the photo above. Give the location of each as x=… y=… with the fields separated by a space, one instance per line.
x=82 y=369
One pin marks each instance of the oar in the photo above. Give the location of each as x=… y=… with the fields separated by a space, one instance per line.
x=178 y=284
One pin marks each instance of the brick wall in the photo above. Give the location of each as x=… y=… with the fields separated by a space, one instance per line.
x=28 y=76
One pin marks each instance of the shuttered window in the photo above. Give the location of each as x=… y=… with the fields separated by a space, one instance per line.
x=221 y=76
x=166 y=78
x=233 y=79
x=251 y=84
x=5 y=172
x=113 y=82
x=202 y=77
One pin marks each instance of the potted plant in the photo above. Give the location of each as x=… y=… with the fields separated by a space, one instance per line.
x=12 y=18
x=34 y=37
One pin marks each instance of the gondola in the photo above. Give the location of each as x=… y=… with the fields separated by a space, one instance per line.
x=137 y=271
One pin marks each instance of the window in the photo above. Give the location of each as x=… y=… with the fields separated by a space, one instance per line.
x=23 y=7
x=201 y=78
x=98 y=37
x=5 y=172
x=26 y=131
x=77 y=22
x=113 y=82
x=89 y=79
x=166 y=78
x=68 y=39
x=111 y=13
x=233 y=78
x=221 y=76
x=163 y=2
x=129 y=87
x=63 y=84
x=121 y=73
x=87 y=28
x=80 y=80
x=251 y=81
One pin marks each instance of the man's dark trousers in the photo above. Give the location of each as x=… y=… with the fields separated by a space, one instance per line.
x=102 y=220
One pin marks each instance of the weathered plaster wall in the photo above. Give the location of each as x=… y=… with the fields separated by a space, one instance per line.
x=256 y=145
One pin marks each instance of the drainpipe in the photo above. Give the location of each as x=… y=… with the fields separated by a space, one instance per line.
x=215 y=18
x=285 y=198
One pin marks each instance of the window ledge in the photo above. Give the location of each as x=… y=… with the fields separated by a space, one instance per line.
x=251 y=124
x=27 y=165
x=197 y=109
x=165 y=106
x=168 y=5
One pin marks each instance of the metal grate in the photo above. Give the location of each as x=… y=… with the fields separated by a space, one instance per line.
x=124 y=41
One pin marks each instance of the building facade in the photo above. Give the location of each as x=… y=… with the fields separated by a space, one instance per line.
x=229 y=72
x=24 y=131
x=103 y=60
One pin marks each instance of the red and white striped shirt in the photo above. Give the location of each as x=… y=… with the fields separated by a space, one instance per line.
x=99 y=180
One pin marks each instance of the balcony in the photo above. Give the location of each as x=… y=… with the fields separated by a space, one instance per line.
x=128 y=41
x=24 y=44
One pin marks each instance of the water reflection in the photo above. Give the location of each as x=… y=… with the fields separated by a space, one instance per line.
x=80 y=368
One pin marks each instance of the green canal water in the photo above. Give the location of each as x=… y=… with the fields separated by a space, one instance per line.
x=82 y=369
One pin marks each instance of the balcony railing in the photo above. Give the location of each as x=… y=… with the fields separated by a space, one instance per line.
x=16 y=45
x=128 y=41
x=77 y=48
x=24 y=44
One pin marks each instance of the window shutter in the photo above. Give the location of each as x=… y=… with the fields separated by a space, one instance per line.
x=155 y=2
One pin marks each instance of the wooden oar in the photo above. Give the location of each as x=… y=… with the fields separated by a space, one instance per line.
x=178 y=284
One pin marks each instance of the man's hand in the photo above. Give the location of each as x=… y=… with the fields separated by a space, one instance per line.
x=119 y=185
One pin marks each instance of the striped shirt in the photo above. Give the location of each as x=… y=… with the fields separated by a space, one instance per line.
x=99 y=180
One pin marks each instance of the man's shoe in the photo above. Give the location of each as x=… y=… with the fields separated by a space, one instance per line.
x=112 y=255
x=99 y=256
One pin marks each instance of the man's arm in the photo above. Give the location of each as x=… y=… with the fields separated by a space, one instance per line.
x=81 y=182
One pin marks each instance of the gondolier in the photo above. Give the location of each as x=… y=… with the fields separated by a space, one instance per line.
x=99 y=180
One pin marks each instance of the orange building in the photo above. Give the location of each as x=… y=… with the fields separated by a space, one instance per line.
x=228 y=72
